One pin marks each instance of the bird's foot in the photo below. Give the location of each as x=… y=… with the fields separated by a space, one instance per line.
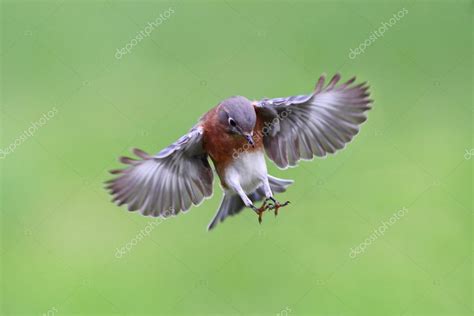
x=276 y=205
x=260 y=210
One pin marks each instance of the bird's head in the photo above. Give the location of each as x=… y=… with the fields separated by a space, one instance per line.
x=237 y=114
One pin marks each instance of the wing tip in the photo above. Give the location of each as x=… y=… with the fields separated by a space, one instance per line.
x=334 y=80
x=140 y=153
x=320 y=83
x=127 y=160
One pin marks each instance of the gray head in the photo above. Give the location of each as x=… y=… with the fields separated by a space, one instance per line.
x=238 y=115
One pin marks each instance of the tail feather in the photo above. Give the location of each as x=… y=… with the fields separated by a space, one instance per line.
x=278 y=185
x=232 y=204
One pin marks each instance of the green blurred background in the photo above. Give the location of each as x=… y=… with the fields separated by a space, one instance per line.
x=60 y=232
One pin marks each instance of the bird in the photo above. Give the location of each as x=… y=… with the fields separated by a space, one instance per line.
x=235 y=136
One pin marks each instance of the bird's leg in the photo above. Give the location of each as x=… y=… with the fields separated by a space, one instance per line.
x=268 y=194
x=260 y=210
x=269 y=197
x=276 y=205
x=248 y=203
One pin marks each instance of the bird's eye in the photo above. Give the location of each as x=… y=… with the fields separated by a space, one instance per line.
x=232 y=122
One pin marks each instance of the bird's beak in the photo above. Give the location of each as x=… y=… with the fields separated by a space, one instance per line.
x=249 y=139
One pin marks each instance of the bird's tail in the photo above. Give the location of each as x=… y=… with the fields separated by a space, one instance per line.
x=232 y=204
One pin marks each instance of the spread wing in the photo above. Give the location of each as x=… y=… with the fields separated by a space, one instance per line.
x=300 y=127
x=168 y=182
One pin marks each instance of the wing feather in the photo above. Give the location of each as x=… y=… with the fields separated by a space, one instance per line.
x=167 y=183
x=317 y=124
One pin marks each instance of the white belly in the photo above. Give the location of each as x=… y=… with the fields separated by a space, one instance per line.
x=249 y=169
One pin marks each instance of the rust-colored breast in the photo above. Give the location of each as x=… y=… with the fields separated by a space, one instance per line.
x=223 y=147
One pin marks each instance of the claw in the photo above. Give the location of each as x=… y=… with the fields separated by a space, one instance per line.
x=277 y=205
x=260 y=210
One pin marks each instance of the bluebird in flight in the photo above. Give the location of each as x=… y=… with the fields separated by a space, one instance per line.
x=235 y=135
